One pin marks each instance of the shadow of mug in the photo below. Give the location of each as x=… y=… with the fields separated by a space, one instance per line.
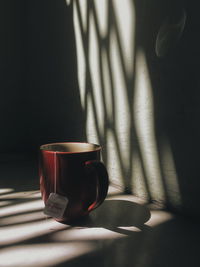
x=116 y=213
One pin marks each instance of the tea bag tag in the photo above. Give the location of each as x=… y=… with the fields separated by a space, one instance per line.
x=55 y=205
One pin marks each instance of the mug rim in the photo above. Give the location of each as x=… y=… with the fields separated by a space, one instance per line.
x=96 y=147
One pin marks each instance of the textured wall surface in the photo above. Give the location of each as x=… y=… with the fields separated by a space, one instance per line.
x=138 y=77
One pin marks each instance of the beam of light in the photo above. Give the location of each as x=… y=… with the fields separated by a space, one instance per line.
x=159 y=217
x=22 y=207
x=130 y=228
x=94 y=67
x=18 y=233
x=21 y=194
x=113 y=161
x=125 y=197
x=5 y=203
x=43 y=254
x=83 y=7
x=170 y=173
x=22 y=218
x=94 y=233
x=81 y=64
x=101 y=8
x=125 y=16
x=122 y=111
x=109 y=112
x=6 y=190
x=114 y=189
x=68 y=2
x=91 y=128
x=138 y=182
x=144 y=122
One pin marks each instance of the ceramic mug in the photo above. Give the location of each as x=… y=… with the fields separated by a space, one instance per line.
x=73 y=180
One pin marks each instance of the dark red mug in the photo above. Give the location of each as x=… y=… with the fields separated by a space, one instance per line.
x=73 y=180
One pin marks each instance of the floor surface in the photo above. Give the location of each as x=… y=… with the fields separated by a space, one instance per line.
x=122 y=232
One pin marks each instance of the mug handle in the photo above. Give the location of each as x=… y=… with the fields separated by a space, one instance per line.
x=102 y=181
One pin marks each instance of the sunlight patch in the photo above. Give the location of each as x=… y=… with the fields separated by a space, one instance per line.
x=94 y=233
x=41 y=255
x=18 y=233
x=22 y=207
x=6 y=190
x=159 y=217
x=145 y=127
x=22 y=218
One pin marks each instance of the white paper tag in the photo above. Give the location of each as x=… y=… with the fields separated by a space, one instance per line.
x=55 y=205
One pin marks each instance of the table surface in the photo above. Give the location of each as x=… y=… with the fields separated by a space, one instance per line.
x=123 y=231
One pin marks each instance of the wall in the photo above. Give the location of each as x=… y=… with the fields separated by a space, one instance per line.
x=138 y=77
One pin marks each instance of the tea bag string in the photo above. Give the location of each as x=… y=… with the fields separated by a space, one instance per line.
x=55 y=171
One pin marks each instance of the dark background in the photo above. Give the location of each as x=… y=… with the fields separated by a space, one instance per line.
x=38 y=76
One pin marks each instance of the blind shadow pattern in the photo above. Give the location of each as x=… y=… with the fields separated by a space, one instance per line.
x=130 y=64
x=117 y=102
x=133 y=235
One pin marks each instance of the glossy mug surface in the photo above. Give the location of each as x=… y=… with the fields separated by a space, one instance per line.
x=73 y=171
